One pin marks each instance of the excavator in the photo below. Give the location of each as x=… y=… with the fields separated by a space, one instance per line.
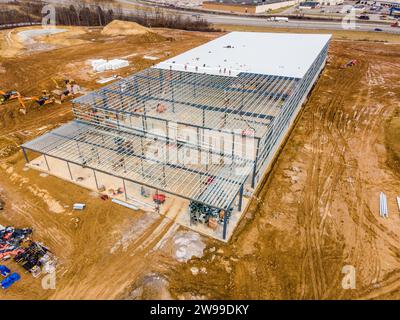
x=8 y=96
x=43 y=100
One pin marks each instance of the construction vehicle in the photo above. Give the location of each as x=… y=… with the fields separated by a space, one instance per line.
x=8 y=96
x=43 y=100
x=70 y=89
x=351 y=63
x=159 y=198
x=12 y=95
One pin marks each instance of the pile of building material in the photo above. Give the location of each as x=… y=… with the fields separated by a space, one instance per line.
x=35 y=259
x=101 y=65
x=109 y=79
x=151 y=58
x=383 y=209
x=11 y=240
x=32 y=256
x=207 y=215
x=125 y=204
x=79 y=206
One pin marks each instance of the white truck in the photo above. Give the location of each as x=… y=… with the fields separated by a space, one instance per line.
x=278 y=19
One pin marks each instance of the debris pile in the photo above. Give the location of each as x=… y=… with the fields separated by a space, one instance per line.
x=32 y=256
x=207 y=215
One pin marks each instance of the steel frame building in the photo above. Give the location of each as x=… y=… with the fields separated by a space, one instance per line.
x=197 y=126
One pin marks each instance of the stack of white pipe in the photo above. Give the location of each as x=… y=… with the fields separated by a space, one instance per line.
x=383 y=206
x=101 y=65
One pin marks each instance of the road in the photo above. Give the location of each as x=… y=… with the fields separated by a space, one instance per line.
x=225 y=19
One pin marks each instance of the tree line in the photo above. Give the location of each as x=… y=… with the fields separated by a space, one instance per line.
x=97 y=14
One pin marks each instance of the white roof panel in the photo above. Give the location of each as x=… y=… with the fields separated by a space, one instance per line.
x=280 y=54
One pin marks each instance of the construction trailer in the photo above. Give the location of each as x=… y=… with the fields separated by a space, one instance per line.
x=203 y=126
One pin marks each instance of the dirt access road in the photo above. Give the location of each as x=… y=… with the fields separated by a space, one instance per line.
x=316 y=212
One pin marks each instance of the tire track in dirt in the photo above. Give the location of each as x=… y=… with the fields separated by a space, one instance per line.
x=323 y=175
x=355 y=187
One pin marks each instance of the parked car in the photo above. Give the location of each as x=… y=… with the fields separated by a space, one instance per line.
x=378 y=29
x=10 y=280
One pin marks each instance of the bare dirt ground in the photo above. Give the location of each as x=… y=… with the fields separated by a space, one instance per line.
x=106 y=248
x=316 y=212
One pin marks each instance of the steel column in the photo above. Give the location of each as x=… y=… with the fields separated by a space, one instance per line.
x=240 y=198
x=47 y=164
x=95 y=179
x=70 y=172
x=25 y=155
x=126 y=195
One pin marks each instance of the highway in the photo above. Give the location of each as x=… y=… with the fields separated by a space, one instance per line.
x=306 y=24
x=225 y=19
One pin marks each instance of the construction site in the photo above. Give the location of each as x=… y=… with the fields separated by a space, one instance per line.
x=201 y=126
x=251 y=162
